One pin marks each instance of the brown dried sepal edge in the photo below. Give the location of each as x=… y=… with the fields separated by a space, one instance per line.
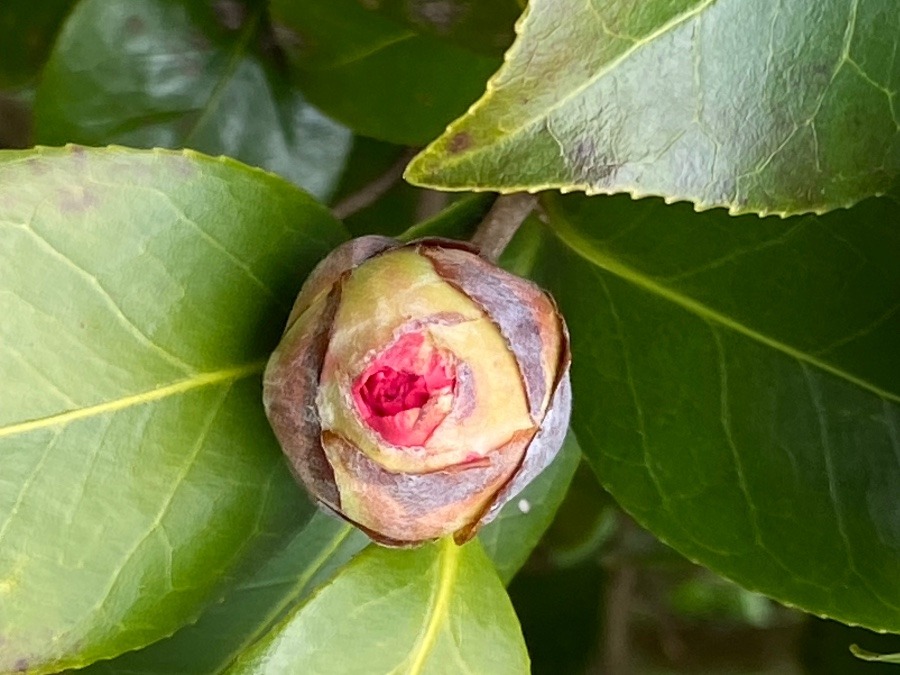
x=292 y=376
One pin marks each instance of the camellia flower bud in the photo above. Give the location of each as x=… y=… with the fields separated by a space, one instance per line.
x=418 y=387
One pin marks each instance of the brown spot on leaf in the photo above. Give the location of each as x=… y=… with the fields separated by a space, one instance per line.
x=76 y=200
x=589 y=166
x=182 y=165
x=21 y=666
x=37 y=166
x=459 y=142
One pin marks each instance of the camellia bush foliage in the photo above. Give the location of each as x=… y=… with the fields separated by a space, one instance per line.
x=727 y=263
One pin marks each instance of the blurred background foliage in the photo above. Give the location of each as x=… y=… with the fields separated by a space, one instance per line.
x=284 y=85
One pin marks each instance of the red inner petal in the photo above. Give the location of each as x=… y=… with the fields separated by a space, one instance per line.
x=388 y=391
x=405 y=377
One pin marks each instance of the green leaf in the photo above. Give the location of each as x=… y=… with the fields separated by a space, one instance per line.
x=251 y=609
x=872 y=656
x=457 y=221
x=780 y=107
x=26 y=33
x=379 y=77
x=587 y=520
x=512 y=536
x=178 y=73
x=141 y=293
x=436 y=609
x=737 y=388
x=482 y=27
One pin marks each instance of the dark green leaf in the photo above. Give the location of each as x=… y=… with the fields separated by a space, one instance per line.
x=178 y=73
x=737 y=388
x=377 y=76
x=511 y=537
x=457 y=221
x=436 y=609
x=139 y=303
x=251 y=609
x=482 y=27
x=773 y=107
x=27 y=30
x=586 y=521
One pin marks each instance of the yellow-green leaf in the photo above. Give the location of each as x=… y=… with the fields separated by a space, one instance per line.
x=433 y=610
x=141 y=293
x=767 y=107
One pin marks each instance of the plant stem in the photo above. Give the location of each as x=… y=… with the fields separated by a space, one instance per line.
x=370 y=193
x=617 y=647
x=431 y=203
x=15 y=123
x=501 y=223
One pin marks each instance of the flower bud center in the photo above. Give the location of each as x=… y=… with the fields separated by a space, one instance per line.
x=407 y=391
x=388 y=391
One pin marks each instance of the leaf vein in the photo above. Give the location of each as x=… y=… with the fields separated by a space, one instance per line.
x=26 y=486
x=815 y=397
x=141 y=398
x=108 y=300
x=177 y=483
x=447 y=568
x=576 y=242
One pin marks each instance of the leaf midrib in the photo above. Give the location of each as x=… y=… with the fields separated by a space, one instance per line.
x=447 y=569
x=158 y=393
x=578 y=244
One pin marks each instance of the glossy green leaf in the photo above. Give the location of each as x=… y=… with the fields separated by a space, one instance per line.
x=139 y=302
x=251 y=609
x=381 y=78
x=178 y=73
x=772 y=107
x=437 y=609
x=27 y=30
x=737 y=388
x=511 y=537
